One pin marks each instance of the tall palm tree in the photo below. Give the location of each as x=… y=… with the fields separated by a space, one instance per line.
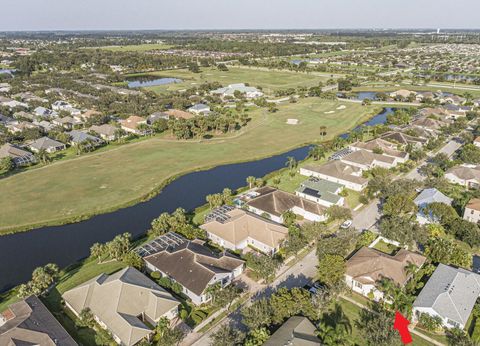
x=291 y=163
x=43 y=156
x=250 y=181
x=317 y=152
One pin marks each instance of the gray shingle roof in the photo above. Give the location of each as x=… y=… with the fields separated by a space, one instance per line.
x=451 y=292
x=320 y=188
x=432 y=195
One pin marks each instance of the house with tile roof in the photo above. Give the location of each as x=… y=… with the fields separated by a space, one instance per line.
x=47 y=144
x=275 y=203
x=403 y=139
x=465 y=175
x=190 y=264
x=248 y=91
x=368 y=266
x=472 y=211
x=237 y=229
x=19 y=156
x=28 y=322
x=132 y=125
x=366 y=160
x=450 y=294
x=382 y=146
x=126 y=303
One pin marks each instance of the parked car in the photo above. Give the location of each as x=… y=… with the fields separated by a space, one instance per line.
x=346 y=224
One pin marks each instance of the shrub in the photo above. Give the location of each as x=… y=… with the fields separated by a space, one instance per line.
x=155 y=275
x=430 y=323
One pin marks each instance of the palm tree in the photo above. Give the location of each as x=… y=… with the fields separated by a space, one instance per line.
x=323 y=131
x=43 y=156
x=291 y=163
x=317 y=152
x=250 y=181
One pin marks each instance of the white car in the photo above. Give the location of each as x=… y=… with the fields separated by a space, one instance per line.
x=346 y=224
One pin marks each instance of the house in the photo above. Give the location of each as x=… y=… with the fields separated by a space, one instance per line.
x=426 y=197
x=365 y=160
x=433 y=126
x=66 y=122
x=61 y=106
x=368 y=266
x=126 y=303
x=450 y=293
x=199 y=108
x=77 y=137
x=19 y=126
x=24 y=115
x=133 y=125
x=5 y=101
x=106 y=131
x=249 y=92
x=275 y=203
x=476 y=142
x=402 y=94
x=45 y=112
x=153 y=118
x=338 y=172
x=465 y=175
x=28 y=322
x=19 y=156
x=87 y=115
x=383 y=147
x=47 y=144
x=472 y=211
x=296 y=331
x=29 y=97
x=179 y=114
x=45 y=125
x=236 y=229
x=190 y=264
x=403 y=139
x=5 y=87
x=321 y=191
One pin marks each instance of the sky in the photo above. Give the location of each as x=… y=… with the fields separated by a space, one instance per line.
x=236 y=14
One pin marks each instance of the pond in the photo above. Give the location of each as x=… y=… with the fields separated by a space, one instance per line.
x=148 y=81
x=21 y=253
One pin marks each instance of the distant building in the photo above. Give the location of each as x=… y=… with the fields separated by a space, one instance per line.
x=132 y=125
x=199 y=108
x=467 y=176
x=249 y=92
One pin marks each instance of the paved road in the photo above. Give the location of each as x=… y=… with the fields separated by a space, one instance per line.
x=298 y=275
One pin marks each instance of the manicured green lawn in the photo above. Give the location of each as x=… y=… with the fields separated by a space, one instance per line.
x=268 y=80
x=136 y=48
x=352 y=311
x=98 y=182
x=385 y=247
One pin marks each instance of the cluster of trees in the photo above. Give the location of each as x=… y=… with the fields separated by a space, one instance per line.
x=176 y=222
x=86 y=320
x=218 y=199
x=117 y=249
x=42 y=279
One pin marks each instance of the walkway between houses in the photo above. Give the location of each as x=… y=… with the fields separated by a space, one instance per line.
x=416 y=332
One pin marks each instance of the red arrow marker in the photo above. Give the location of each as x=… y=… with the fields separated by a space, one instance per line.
x=401 y=324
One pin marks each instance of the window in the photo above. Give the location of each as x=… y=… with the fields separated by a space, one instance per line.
x=358 y=284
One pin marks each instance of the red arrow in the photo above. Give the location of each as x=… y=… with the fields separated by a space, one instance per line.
x=401 y=324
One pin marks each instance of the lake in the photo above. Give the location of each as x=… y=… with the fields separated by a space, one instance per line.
x=148 y=81
x=21 y=253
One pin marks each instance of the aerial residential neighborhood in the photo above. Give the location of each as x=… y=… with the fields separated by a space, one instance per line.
x=192 y=173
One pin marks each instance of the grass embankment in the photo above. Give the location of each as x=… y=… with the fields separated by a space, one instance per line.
x=433 y=87
x=268 y=80
x=74 y=189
